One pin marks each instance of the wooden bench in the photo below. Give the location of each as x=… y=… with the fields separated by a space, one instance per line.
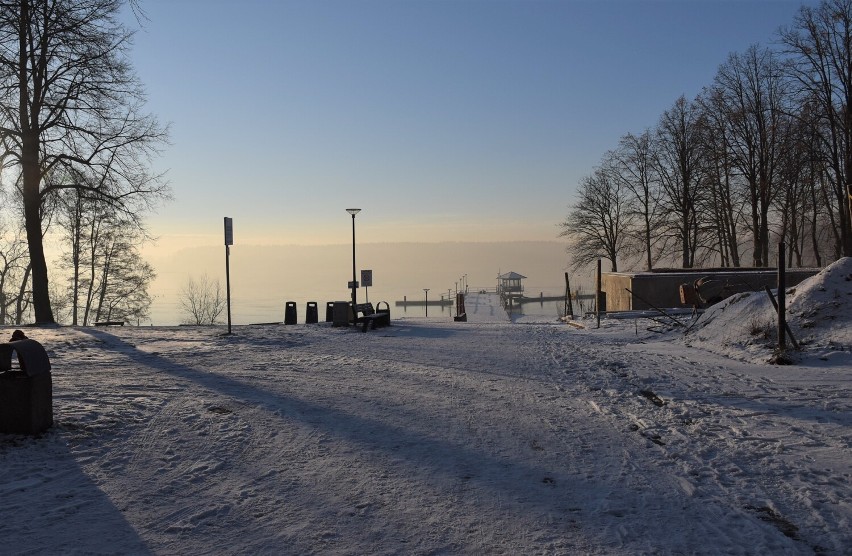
x=369 y=317
x=110 y=323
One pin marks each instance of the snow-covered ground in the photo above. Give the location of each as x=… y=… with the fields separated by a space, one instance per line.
x=435 y=437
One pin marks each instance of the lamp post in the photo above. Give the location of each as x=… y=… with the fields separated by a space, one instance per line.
x=353 y=212
x=426 y=290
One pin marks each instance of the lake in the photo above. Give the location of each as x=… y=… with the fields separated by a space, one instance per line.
x=264 y=278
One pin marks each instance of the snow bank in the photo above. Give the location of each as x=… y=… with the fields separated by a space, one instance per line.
x=819 y=313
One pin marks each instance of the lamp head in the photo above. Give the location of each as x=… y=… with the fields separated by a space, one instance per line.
x=353 y=212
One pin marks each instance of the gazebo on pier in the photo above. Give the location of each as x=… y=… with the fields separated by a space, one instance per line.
x=510 y=287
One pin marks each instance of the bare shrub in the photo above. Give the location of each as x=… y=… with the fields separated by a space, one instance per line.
x=202 y=301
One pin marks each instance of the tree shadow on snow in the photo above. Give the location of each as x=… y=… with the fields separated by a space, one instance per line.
x=51 y=505
x=538 y=491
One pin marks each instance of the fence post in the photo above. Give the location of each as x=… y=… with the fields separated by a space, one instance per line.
x=782 y=302
x=598 y=294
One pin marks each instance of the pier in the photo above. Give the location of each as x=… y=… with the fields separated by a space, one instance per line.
x=421 y=303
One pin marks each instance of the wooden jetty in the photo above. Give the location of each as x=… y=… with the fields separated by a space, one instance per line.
x=422 y=303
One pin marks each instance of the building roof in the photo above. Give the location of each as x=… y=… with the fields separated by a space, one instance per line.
x=510 y=276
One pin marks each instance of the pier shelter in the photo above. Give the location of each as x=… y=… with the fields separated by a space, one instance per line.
x=510 y=285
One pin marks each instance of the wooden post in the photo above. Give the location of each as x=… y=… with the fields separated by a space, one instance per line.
x=569 y=306
x=598 y=295
x=782 y=301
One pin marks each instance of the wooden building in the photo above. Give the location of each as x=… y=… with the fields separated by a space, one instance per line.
x=628 y=291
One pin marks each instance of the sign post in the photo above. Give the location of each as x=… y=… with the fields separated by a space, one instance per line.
x=229 y=240
x=367 y=281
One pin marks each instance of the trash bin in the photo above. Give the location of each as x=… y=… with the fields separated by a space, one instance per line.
x=26 y=392
x=311 y=316
x=341 y=313
x=329 y=311
x=384 y=312
x=290 y=313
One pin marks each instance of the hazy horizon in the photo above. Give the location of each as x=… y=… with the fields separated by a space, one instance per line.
x=264 y=277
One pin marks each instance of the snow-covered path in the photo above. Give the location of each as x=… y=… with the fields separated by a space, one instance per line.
x=426 y=438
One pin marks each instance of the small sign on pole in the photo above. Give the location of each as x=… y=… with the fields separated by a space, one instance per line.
x=367 y=281
x=229 y=231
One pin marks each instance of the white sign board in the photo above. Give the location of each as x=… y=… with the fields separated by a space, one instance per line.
x=367 y=278
x=229 y=231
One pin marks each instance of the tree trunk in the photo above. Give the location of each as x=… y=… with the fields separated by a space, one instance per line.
x=649 y=261
x=76 y=244
x=19 y=308
x=32 y=217
x=104 y=281
x=31 y=173
x=814 y=229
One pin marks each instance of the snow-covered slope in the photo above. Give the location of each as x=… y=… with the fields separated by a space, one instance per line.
x=819 y=313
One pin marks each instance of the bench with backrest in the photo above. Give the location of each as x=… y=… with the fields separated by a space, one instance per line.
x=369 y=317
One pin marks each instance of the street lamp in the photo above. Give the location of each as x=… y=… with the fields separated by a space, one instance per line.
x=353 y=212
x=427 y=300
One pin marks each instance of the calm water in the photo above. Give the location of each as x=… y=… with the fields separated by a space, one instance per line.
x=263 y=279
x=261 y=310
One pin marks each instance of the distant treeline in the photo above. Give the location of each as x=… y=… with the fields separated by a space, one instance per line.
x=763 y=154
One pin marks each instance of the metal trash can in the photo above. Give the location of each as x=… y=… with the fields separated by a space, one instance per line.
x=311 y=316
x=329 y=311
x=290 y=312
x=26 y=392
x=384 y=312
x=341 y=313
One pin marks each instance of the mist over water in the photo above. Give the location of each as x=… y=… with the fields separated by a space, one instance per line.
x=264 y=278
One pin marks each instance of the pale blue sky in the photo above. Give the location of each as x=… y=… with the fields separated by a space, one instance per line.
x=442 y=120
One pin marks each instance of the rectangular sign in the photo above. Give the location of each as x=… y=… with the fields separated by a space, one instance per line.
x=229 y=231
x=367 y=278
x=352 y=285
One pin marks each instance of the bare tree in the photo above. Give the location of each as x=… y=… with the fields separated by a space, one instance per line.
x=123 y=279
x=71 y=114
x=820 y=45
x=72 y=221
x=598 y=223
x=804 y=218
x=720 y=180
x=14 y=273
x=633 y=165
x=751 y=95
x=679 y=165
x=202 y=301
x=108 y=278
